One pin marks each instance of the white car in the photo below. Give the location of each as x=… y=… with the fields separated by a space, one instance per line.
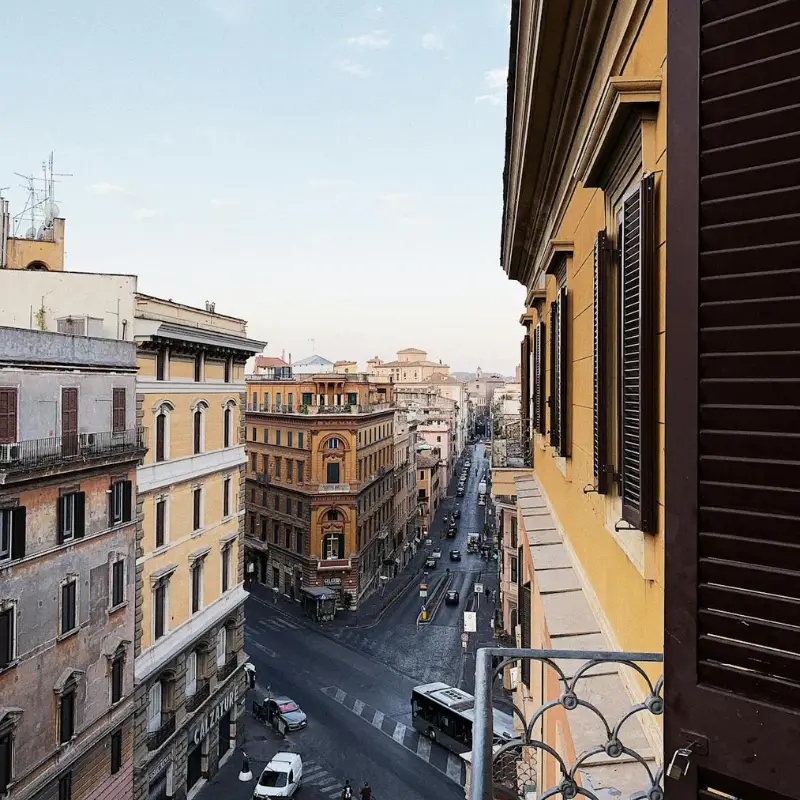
x=282 y=777
x=437 y=553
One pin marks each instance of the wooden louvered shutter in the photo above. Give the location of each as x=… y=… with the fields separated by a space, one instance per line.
x=8 y=416
x=599 y=376
x=563 y=361
x=536 y=381
x=638 y=395
x=525 y=375
x=540 y=381
x=553 y=400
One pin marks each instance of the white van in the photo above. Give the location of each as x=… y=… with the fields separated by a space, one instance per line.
x=281 y=777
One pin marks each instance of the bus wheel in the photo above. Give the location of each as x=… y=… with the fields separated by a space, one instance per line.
x=432 y=734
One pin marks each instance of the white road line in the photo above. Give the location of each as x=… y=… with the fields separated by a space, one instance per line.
x=377 y=720
x=399 y=732
x=329 y=787
x=358 y=707
x=313 y=771
x=340 y=695
x=453 y=767
x=267 y=652
x=424 y=748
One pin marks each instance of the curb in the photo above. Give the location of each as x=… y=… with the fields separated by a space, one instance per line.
x=437 y=593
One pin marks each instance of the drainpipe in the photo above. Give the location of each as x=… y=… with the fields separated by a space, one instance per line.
x=4 y=225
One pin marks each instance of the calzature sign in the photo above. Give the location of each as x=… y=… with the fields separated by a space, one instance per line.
x=213 y=717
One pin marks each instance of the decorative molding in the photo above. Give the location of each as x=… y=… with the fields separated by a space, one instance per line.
x=152 y=386
x=621 y=98
x=557 y=251
x=180 y=470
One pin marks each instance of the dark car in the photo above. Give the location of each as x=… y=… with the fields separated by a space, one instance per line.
x=455 y=555
x=451 y=598
x=457 y=514
x=430 y=563
x=285 y=709
x=451 y=533
x=460 y=492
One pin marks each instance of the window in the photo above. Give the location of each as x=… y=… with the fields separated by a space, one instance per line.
x=300 y=439
x=265 y=464
x=290 y=400
x=277 y=437
x=276 y=500
x=226 y=497
x=254 y=400
x=6 y=637
x=159 y=610
x=191 y=675
x=117 y=583
x=197 y=586
x=71 y=516
x=333 y=443
x=352 y=398
x=301 y=469
x=118 y=410
x=288 y=505
x=308 y=398
x=299 y=508
x=265 y=435
x=438 y=438
x=255 y=434
x=222 y=645
x=538 y=378
x=278 y=467
x=66 y=718
x=264 y=497
x=333 y=515
x=154 y=707
x=288 y=535
x=513 y=565
x=289 y=435
x=227 y=427
x=65 y=786
x=226 y=567
x=161 y=522
x=69 y=615
x=6 y=756
x=161 y=364
x=198 y=367
x=227 y=370
x=162 y=434
x=263 y=530
x=289 y=468
x=116 y=752
x=278 y=402
x=332 y=470
x=333 y=546
x=253 y=462
x=197 y=508
x=197 y=431
x=120 y=503
x=117 y=675
x=12 y=533
x=275 y=532
x=298 y=538
x=558 y=372
x=8 y=416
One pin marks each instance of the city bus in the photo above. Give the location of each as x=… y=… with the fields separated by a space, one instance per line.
x=445 y=714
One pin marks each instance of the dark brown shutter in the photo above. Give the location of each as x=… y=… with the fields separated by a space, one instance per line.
x=540 y=378
x=197 y=423
x=80 y=515
x=69 y=421
x=18 y=532
x=8 y=416
x=118 y=412
x=563 y=371
x=600 y=377
x=638 y=464
x=60 y=519
x=525 y=376
x=66 y=718
x=553 y=400
x=161 y=508
x=127 y=501
x=161 y=432
x=159 y=611
x=6 y=637
x=525 y=627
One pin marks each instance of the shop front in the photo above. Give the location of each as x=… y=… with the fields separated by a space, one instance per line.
x=319 y=602
x=159 y=778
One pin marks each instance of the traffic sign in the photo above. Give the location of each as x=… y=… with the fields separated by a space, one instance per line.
x=470 y=623
x=429 y=541
x=478 y=588
x=423 y=592
x=465 y=637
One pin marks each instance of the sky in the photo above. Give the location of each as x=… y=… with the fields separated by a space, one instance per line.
x=330 y=170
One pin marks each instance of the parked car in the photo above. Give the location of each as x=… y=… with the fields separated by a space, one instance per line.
x=430 y=563
x=285 y=709
x=451 y=533
x=451 y=598
x=460 y=492
x=282 y=777
x=457 y=513
x=437 y=553
x=482 y=501
x=455 y=555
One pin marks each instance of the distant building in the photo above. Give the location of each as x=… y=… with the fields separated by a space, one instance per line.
x=428 y=485
x=39 y=249
x=312 y=365
x=411 y=365
x=346 y=367
x=272 y=368
x=405 y=501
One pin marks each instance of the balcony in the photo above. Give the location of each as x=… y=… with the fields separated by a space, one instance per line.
x=156 y=738
x=311 y=410
x=585 y=699
x=228 y=668
x=262 y=478
x=61 y=451
x=193 y=702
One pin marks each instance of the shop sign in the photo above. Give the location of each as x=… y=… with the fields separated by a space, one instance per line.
x=159 y=767
x=333 y=581
x=212 y=717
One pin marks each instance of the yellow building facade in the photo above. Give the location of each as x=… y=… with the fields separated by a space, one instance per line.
x=189 y=639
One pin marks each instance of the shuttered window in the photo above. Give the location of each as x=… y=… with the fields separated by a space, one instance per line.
x=538 y=379
x=525 y=630
x=558 y=372
x=118 y=413
x=602 y=253
x=637 y=356
x=8 y=416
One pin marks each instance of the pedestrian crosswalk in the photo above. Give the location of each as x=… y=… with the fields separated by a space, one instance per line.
x=278 y=624
x=440 y=759
x=318 y=778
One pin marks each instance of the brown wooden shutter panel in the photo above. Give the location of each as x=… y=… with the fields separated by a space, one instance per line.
x=18 y=532
x=554 y=391
x=8 y=416
x=525 y=374
x=563 y=370
x=535 y=378
x=638 y=465
x=118 y=412
x=540 y=383
x=524 y=616
x=599 y=377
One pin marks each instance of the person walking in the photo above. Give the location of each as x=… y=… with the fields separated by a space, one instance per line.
x=366 y=791
x=347 y=791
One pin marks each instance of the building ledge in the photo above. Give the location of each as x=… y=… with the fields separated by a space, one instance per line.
x=157 y=656
x=177 y=470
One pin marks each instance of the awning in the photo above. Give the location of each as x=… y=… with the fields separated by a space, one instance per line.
x=318 y=592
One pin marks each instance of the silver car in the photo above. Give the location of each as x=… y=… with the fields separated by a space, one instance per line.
x=284 y=708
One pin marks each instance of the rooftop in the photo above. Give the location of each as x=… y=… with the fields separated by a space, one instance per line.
x=314 y=359
x=270 y=361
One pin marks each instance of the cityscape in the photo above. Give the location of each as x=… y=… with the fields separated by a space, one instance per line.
x=383 y=566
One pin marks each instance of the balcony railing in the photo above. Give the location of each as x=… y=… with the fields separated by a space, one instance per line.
x=59 y=450
x=228 y=668
x=193 y=702
x=158 y=737
x=306 y=410
x=510 y=770
x=262 y=478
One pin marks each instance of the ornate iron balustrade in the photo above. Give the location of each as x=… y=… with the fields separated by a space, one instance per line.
x=193 y=702
x=509 y=771
x=228 y=668
x=158 y=737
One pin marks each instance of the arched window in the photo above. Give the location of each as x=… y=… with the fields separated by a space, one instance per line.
x=333 y=443
x=228 y=438
x=333 y=515
x=38 y=266
x=199 y=427
x=162 y=431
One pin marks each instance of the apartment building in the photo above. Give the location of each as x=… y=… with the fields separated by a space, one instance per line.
x=320 y=485
x=429 y=491
x=405 y=499
x=190 y=595
x=69 y=448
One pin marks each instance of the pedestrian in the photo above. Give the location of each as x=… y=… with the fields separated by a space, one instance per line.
x=347 y=791
x=366 y=791
x=487 y=592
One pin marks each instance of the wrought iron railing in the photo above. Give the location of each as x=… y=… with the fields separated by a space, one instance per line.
x=59 y=450
x=158 y=737
x=193 y=702
x=228 y=668
x=509 y=770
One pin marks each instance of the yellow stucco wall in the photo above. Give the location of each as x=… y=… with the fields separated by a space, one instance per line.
x=625 y=570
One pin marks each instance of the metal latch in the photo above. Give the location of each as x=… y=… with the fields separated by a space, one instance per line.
x=679 y=765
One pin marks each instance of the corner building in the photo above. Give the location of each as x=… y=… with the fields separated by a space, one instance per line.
x=320 y=485
x=189 y=569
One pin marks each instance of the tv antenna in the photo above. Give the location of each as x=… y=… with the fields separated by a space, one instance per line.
x=40 y=208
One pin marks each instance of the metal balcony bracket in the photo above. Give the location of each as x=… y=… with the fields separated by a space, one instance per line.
x=508 y=769
x=589 y=489
x=624 y=525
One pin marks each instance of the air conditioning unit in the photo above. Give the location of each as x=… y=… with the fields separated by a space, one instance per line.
x=9 y=453
x=90 y=439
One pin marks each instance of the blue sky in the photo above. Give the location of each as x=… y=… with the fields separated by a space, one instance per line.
x=327 y=169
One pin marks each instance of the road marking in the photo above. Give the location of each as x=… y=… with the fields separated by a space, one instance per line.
x=330 y=785
x=340 y=695
x=358 y=707
x=377 y=720
x=424 y=748
x=267 y=652
x=399 y=732
x=454 y=767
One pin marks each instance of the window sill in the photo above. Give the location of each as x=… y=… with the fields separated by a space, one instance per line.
x=160 y=549
x=64 y=636
x=118 y=607
x=11 y=665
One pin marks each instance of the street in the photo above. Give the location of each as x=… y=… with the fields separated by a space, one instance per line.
x=355 y=684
